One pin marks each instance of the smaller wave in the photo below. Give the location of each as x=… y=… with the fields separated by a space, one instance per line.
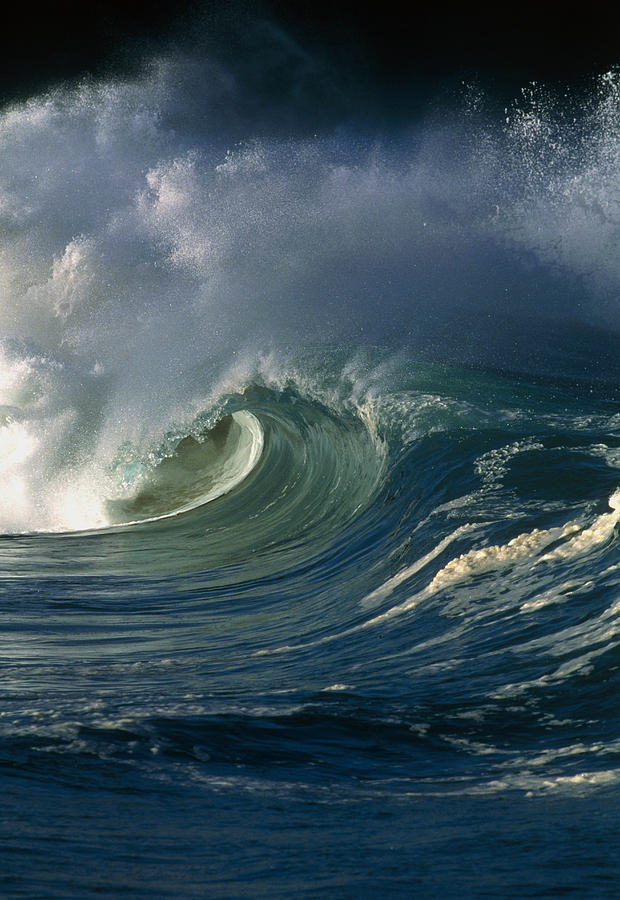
x=580 y=540
x=571 y=539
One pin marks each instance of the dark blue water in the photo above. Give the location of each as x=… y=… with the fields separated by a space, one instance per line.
x=310 y=490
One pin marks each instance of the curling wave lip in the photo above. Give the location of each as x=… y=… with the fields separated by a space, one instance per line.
x=195 y=474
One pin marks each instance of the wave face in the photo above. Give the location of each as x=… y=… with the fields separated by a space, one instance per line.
x=309 y=466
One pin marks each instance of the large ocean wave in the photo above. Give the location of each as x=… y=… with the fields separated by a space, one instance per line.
x=145 y=261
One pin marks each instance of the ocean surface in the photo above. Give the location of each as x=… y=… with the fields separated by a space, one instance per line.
x=309 y=495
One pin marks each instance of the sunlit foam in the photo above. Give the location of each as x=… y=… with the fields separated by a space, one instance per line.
x=78 y=508
x=16 y=445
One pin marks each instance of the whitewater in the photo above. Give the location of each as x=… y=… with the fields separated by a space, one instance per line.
x=309 y=495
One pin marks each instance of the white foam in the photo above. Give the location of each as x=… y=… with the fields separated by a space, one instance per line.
x=493 y=465
x=498 y=556
x=384 y=590
x=611 y=455
x=598 y=533
x=527 y=546
x=549 y=597
x=533 y=784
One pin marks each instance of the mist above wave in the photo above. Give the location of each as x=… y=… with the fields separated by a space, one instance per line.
x=127 y=208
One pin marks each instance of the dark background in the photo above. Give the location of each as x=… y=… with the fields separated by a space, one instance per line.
x=395 y=51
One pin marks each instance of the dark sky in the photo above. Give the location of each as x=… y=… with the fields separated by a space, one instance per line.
x=396 y=47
